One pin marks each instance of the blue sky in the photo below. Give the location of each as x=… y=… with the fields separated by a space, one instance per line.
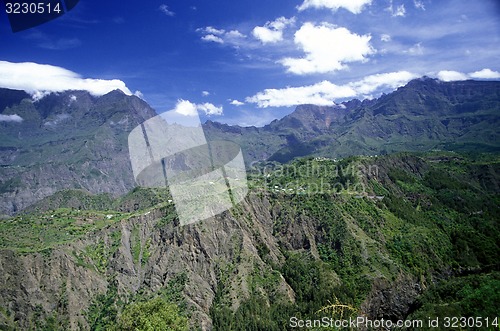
x=249 y=62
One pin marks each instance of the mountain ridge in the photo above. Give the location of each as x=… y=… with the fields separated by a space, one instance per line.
x=73 y=140
x=67 y=140
x=422 y=115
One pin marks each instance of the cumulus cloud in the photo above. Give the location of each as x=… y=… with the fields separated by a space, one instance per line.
x=42 y=79
x=385 y=37
x=485 y=74
x=205 y=93
x=213 y=38
x=327 y=48
x=237 y=103
x=221 y=36
x=325 y=93
x=321 y=94
x=450 y=75
x=164 y=9
x=11 y=118
x=354 y=6
x=188 y=108
x=373 y=83
x=272 y=32
x=209 y=109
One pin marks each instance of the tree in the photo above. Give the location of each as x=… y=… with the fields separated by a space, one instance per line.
x=155 y=314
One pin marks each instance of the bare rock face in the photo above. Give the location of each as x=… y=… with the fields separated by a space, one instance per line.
x=147 y=257
x=69 y=140
x=143 y=254
x=392 y=300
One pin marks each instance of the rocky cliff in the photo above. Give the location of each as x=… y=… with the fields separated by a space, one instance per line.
x=66 y=140
x=375 y=250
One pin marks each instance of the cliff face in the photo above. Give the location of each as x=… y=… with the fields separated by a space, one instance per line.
x=376 y=250
x=70 y=140
x=144 y=253
x=371 y=233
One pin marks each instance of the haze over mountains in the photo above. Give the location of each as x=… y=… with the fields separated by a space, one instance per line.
x=75 y=140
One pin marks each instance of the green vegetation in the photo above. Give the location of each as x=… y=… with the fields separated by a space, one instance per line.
x=436 y=212
x=341 y=226
x=164 y=310
x=467 y=296
x=155 y=314
x=39 y=232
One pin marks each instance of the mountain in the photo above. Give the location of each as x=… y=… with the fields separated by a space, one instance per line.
x=425 y=114
x=73 y=140
x=401 y=236
x=65 y=140
x=322 y=233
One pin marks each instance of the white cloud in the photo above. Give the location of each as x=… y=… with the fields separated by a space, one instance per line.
x=42 y=79
x=372 y=83
x=237 y=103
x=214 y=38
x=221 y=36
x=212 y=30
x=385 y=37
x=327 y=49
x=209 y=109
x=234 y=34
x=354 y=6
x=187 y=108
x=164 y=9
x=416 y=49
x=272 y=32
x=485 y=74
x=139 y=94
x=325 y=93
x=399 y=11
x=322 y=94
x=58 y=119
x=11 y=118
x=449 y=75
x=419 y=4
x=205 y=93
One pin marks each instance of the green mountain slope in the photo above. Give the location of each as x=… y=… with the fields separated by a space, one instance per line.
x=425 y=114
x=388 y=237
